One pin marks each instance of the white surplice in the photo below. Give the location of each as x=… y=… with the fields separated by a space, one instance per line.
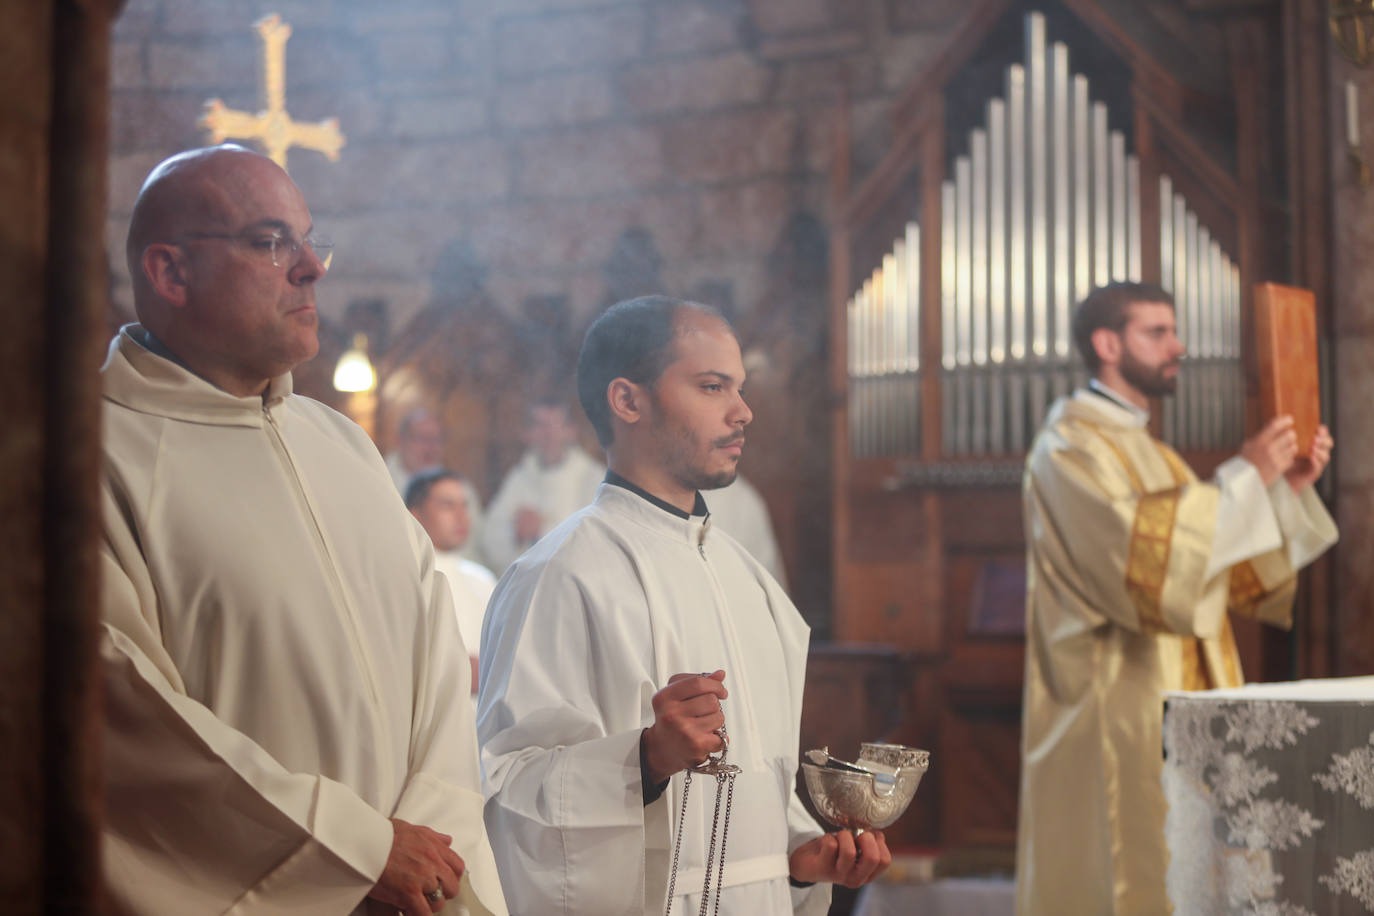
x=740 y=510
x=580 y=634
x=471 y=584
x=554 y=492
x=280 y=663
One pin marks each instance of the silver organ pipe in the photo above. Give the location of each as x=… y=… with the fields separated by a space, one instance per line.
x=1044 y=206
x=1063 y=215
x=884 y=343
x=997 y=274
x=978 y=289
x=1063 y=188
x=1016 y=251
x=1038 y=150
x=1102 y=268
x=1082 y=174
x=963 y=300
x=1208 y=410
x=948 y=314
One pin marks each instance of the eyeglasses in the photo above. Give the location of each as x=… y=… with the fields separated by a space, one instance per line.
x=282 y=245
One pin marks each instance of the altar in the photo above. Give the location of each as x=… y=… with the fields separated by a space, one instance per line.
x=1271 y=798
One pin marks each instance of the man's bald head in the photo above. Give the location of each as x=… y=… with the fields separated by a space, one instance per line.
x=221 y=273
x=187 y=192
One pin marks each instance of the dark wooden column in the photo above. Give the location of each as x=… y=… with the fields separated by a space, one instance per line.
x=54 y=56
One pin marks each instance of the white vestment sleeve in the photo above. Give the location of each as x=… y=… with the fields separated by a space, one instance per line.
x=1245 y=526
x=1253 y=520
x=560 y=737
x=199 y=818
x=1308 y=528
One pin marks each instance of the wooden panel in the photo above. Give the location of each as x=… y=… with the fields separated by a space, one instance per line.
x=888 y=524
x=897 y=604
x=982 y=518
x=980 y=747
x=991 y=587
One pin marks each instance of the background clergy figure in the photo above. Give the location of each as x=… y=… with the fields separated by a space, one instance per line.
x=1133 y=565
x=280 y=660
x=740 y=510
x=588 y=715
x=420 y=447
x=439 y=501
x=552 y=480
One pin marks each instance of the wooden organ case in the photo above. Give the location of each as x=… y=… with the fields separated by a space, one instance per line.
x=1043 y=154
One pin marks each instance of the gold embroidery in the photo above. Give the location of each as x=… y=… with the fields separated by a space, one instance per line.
x=1244 y=589
x=1148 y=558
x=1194 y=674
x=1152 y=532
x=1230 y=656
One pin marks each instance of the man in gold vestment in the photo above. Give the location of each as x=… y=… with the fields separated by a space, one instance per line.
x=1133 y=565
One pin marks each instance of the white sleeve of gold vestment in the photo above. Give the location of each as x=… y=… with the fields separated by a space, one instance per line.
x=1246 y=523
x=1253 y=520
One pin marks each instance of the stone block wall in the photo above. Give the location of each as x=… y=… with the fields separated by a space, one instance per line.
x=536 y=131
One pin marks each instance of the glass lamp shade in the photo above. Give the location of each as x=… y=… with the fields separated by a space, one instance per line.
x=354 y=371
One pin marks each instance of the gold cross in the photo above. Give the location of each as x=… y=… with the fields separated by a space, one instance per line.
x=272 y=127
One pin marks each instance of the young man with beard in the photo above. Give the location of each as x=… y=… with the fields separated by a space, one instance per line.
x=1132 y=567
x=589 y=713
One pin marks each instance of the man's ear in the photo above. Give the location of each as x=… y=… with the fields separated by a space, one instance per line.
x=1107 y=344
x=167 y=269
x=626 y=400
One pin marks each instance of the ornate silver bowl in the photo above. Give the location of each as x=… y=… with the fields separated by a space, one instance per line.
x=870 y=793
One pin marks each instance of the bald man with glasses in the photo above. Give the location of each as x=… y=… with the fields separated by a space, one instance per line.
x=283 y=676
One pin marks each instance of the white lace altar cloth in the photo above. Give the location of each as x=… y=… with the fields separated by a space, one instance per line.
x=1271 y=799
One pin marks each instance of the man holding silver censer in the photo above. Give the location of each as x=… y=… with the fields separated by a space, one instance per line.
x=618 y=781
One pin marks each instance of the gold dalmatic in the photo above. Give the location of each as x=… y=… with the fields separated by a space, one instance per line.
x=272 y=127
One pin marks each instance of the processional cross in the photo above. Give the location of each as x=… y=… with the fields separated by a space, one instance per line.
x=272 y=127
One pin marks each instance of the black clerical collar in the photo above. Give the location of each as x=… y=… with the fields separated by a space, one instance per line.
x=615 y=480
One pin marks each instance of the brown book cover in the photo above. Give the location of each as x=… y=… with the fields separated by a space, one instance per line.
x=1286 y=347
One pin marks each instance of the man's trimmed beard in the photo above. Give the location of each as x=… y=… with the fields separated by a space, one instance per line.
x=1150 y=382
x=680 y=446
x=688 y=474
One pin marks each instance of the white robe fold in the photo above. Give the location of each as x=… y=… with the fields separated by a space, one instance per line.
x=580 y=634
x=281 y=669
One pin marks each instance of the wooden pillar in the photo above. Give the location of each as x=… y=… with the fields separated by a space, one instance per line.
x=1309 y=137
x=52 y=266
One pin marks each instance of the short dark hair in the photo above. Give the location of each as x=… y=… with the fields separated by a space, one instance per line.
x=417 y=491
x=632 y=339
x=1105 y=307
